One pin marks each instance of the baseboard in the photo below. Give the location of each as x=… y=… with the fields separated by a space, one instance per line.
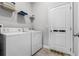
x=46 y=46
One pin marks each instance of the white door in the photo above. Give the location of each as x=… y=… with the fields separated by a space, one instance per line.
x=76 y=29
x=60 y=28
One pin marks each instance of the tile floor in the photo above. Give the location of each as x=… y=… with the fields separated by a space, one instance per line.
x=46 y=52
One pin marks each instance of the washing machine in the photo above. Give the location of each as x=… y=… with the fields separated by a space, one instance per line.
x=16 y=43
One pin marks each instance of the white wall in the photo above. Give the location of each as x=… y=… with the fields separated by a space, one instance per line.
x=9 y=19
x=40 y=11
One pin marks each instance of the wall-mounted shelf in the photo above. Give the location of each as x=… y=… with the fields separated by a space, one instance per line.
x=22 y=13
x=8 y=5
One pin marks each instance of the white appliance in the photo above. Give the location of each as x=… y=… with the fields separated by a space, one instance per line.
x=60 y=23
x=17 y=43
x=36 y=40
